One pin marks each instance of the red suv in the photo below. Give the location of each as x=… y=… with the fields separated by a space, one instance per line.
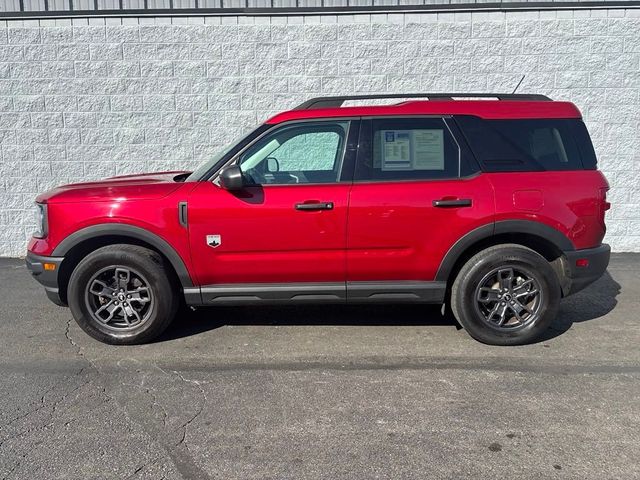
x=492 y=203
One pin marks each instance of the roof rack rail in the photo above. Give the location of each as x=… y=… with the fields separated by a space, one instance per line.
x=335 y=102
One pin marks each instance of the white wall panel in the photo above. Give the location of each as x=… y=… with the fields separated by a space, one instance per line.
x=86 y=102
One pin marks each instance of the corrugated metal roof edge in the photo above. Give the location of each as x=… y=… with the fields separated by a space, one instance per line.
x=287 y=11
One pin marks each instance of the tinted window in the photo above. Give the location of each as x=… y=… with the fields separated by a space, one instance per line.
x=302 y=153
x=521 y=145
x=408 y=149
x=588 y=154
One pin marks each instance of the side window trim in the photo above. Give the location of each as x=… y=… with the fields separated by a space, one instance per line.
x=349 y=158
x=455 y=140
x=212 y=173
x=365 y=147
x=583 y=141
x=469 y=165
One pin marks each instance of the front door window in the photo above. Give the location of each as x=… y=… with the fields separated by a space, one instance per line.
x=297 y=154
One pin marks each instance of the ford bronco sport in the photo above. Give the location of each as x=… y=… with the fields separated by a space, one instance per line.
x=490 y=203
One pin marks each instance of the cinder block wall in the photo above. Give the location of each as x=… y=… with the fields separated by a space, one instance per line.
x=94 y=98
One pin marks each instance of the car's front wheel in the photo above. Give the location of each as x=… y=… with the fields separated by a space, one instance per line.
x=122 y=294
x=506 y=295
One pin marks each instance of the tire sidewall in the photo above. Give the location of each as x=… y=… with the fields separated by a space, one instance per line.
x=150 y=266
x=479 y=266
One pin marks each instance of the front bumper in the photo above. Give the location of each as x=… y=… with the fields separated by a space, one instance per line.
x=47 y=278
x=580 y=277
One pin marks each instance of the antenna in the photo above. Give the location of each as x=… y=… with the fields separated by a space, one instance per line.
x=520 y=82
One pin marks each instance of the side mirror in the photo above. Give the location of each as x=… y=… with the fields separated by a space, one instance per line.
x=273 y=166
x=231 y=178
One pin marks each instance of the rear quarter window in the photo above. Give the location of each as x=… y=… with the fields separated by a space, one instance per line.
x=529 y=145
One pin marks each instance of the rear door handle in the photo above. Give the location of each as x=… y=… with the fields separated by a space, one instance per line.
x=314 y=206
x=459 y=202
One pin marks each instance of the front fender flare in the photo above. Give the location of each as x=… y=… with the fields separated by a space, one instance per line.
x=122 y=229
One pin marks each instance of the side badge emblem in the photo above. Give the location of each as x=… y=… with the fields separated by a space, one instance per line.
x=214 y=240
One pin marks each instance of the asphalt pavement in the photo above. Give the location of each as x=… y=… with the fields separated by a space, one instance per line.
x=322 y=393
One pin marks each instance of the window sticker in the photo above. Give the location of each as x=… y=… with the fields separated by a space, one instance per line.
x=396 y=150
x=412 y=149
x=428 y=149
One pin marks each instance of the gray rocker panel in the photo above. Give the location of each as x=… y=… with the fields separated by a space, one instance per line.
x=351 y=292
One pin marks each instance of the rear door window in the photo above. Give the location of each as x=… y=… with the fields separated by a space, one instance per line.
x=407 y=149
x=526 y=145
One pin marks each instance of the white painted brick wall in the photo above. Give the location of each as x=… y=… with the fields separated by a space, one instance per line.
x=86 y=99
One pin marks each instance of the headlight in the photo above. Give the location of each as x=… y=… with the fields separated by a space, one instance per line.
x=41 y=220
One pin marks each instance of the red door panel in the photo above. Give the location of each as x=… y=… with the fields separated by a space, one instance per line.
x=264 y=238
x=396 y=233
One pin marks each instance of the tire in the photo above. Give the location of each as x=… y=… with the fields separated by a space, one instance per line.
x=493 y=296
x=136 y=315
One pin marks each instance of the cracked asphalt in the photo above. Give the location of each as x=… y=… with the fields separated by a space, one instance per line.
x=322 y=393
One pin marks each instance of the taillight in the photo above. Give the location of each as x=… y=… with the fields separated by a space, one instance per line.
x=582 y=262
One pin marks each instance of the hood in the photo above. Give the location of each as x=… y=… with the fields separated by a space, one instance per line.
x=146 y=186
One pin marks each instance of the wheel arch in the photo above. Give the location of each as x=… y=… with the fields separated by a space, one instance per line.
x=79 y=244
x=543 y=239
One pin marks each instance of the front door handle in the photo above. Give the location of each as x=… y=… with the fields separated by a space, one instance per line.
x=458 y=202
x=314 y=206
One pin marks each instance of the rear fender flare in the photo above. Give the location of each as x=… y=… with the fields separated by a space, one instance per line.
x=504 y=226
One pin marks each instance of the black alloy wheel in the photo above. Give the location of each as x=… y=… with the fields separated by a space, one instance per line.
x=119 y=297
x=123 y=294
x=509 y=297
x=506 y=295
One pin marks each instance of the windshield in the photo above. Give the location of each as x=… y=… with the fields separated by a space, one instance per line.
x=202 y=170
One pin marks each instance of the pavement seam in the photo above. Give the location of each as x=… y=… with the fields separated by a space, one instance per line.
x=183 y=461
x=428 y=364
x=130 y=421
x=193 y=471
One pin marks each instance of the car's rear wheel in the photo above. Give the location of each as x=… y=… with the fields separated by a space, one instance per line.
x=123 y=294
x=506 y=295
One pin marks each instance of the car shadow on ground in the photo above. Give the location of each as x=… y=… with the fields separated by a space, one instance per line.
x=591 y=303
x=210 y=318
